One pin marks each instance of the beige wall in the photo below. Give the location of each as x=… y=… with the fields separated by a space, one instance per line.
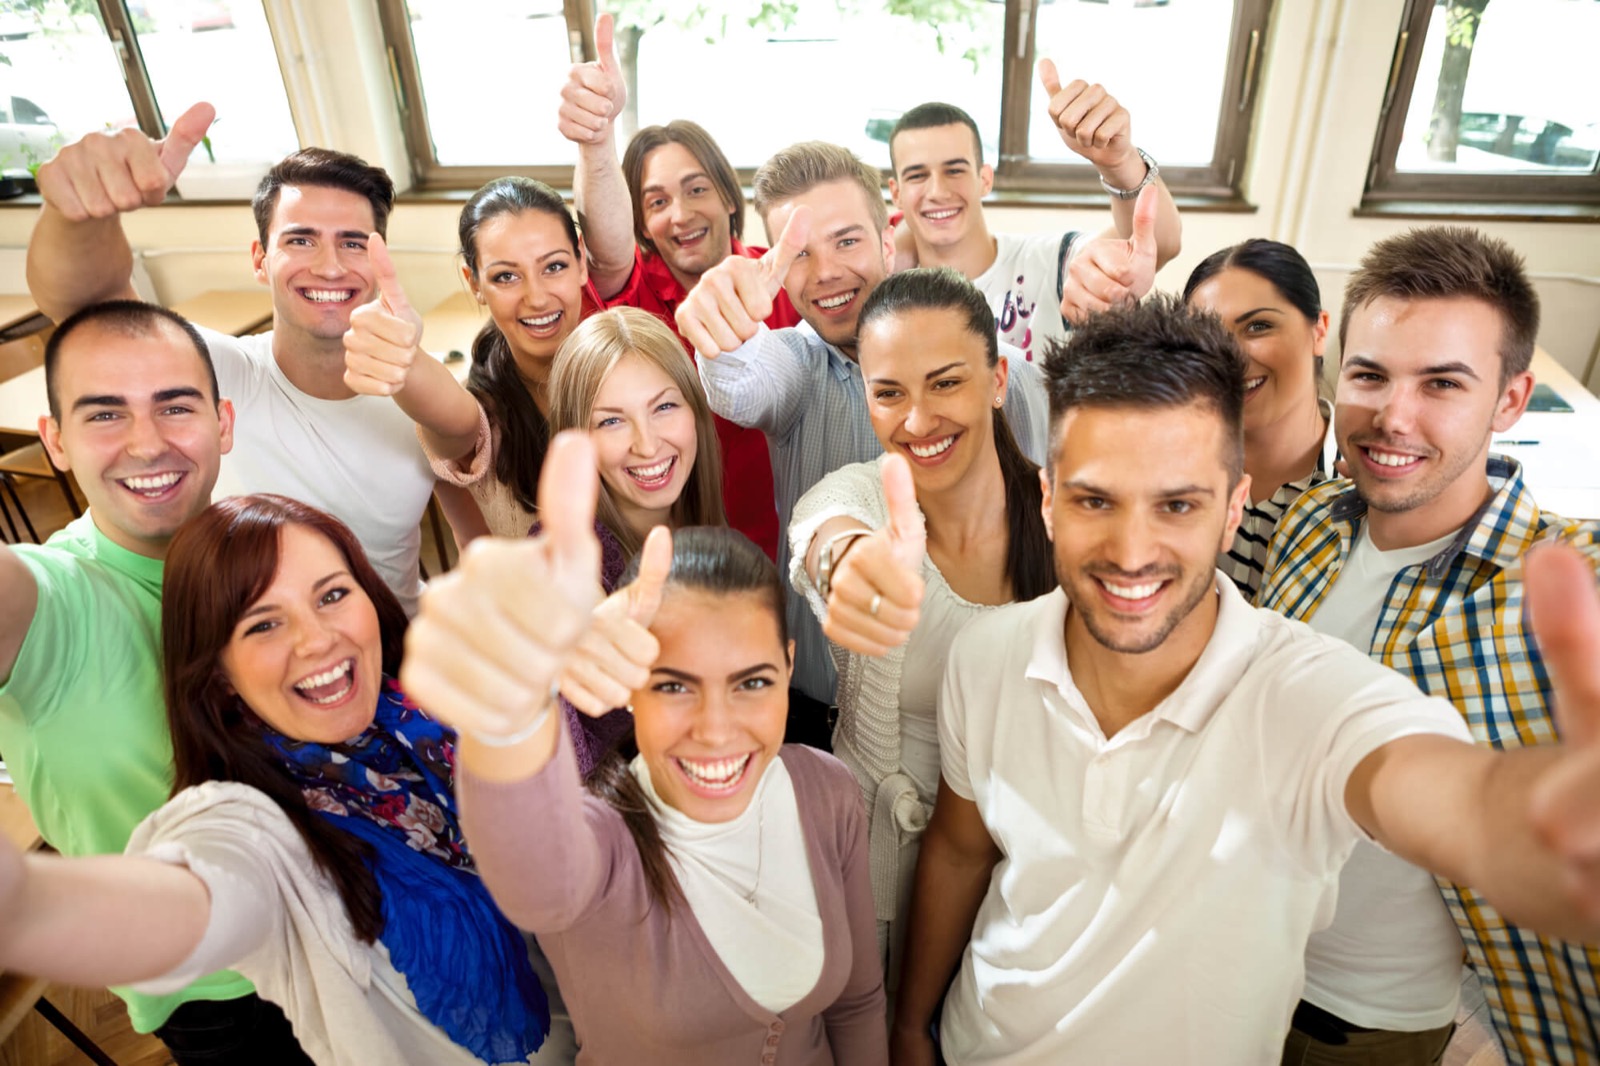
x=1322 y=88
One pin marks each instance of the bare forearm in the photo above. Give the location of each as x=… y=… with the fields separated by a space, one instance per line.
x=605 y=211
x=102 y=920
x=825 y=533
x=949 y=888
x=443 y=410
x=74 y=264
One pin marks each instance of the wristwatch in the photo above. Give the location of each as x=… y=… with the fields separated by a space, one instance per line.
x=1151 y=174
x=827 y=557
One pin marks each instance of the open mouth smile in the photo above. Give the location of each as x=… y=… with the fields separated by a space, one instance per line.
x=151 y=486
x=328 y=686
x=715 y=777
x=655 y=476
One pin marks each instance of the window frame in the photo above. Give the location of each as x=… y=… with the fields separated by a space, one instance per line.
x=1015 y=172
x=1387 y=184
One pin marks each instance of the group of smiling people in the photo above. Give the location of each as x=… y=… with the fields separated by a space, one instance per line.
x=1084 y=800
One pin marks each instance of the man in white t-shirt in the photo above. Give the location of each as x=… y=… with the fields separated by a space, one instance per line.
x=1417 y=561
x=1149 y=786
x=940 y=180
x=302 y=431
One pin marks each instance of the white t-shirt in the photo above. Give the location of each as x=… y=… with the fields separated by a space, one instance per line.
x=1156 y=889
x=772 y=946
x=357 y=459
x=1392 y=957
x=1023 y=285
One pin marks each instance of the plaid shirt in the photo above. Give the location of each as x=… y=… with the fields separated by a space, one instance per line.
x=1454 y=625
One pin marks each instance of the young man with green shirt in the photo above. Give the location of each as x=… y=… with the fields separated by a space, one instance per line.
x=135 y=414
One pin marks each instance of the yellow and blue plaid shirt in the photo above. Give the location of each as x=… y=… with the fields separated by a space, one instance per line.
x=1454 y=625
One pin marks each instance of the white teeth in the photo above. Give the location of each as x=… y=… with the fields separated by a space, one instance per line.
x=329 y=296
x=648 y=473
x=542 y=320
x=687 y=238
x=153 y=483
x=717 y=773
x=1254 y=383
x=829 y=303
x=1391 y=458
x=1132 y=592
x=327 y=677
x=928 y=451
x=941 y=215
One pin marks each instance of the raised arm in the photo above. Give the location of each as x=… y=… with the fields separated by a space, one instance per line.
x=958 y=857
x=383 y=356
x=20 y=593
x=78 y=254
x=591 y=100
x=1521 y=827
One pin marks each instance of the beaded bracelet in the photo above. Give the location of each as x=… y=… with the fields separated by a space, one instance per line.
x=507 y=740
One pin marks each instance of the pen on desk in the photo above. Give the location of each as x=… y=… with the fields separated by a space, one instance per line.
x=1518 y=443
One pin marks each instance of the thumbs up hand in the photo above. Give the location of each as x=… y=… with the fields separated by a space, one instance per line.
x=733 y=298
x=380 y=346
x=875 y=599
x=493 y=634
x=595 y=93
x=105 y=173
x=1089 y=119
x=1114 y=270
x=613 y=659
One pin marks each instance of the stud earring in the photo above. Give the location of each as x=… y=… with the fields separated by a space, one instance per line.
x=999 y=401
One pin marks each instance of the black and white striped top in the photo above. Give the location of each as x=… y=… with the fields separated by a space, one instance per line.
x=1246 y=559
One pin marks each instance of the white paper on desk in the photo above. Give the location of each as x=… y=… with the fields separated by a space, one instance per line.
x=5 y=775
x=1564 y=457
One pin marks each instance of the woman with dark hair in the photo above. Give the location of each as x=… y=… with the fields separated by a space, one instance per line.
x=312 y=841
x=1267 y=296
x=896 y=555
x=716 y=883
x=523 y=260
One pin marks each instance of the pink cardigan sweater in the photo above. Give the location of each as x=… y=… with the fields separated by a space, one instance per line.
x=646 y=988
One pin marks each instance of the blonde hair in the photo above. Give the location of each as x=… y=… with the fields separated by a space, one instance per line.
x=582 y=365
x=801 y=167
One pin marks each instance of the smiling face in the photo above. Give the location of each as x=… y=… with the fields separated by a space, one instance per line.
x=939 y=184
x=844 y=260
x=315 y=260
x=1138 y=507
x=1278 y=342
x=685 y=215
x=1419 y=398
x=531 y=279
x=931 y=394
x=139 y=430
x=307 y=655
x=645 y=441
x=713 y=713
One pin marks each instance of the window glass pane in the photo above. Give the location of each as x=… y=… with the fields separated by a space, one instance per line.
x=491 y=82
x=1505 y=87
x=220 y=51
x=63 y=81
x=837 y=76
x=1174 y=116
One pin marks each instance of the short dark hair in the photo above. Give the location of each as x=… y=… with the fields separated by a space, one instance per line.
x=1444 y=262
x=700 y=145
x=1156 y=353
x=331 y=170
x=126 y=318
x=930 y=116
x=1279 y=264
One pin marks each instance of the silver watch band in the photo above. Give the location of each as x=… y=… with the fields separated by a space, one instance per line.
x=1152 y=172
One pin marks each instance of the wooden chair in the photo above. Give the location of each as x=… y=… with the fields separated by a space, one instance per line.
x=32 y=461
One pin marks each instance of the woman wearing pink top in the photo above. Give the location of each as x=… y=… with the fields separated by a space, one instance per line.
x=707 y=900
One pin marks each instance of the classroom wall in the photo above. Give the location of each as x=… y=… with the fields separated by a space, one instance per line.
x=1322 y=87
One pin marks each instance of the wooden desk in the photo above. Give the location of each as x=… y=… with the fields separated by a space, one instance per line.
x=16 y=312
x=22 y=401
x=237 y=313
x=449 y=329
x=1559 y=451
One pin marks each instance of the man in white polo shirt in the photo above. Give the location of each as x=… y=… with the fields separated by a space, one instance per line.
x=1147 y=795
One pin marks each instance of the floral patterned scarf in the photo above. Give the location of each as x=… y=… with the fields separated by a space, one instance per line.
x=393 y=786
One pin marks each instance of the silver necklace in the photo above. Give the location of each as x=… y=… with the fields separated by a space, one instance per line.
x=761 y=833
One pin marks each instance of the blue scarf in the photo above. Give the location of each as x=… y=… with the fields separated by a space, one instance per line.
x=393 y=787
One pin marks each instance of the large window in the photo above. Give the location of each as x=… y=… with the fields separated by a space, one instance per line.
x=1491 y=100
x=480 y=94
x=75 y=66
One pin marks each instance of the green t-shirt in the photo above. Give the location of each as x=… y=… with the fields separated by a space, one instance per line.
x=83 y=723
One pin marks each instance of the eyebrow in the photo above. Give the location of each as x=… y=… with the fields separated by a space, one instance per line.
x=312 y=231
x=929 y=376
x=536 y=259
x=684 y=675
x=845 y=231
x=1257 y=311
x=661 y=186
x=1456 y=367
x=648 y=403
x=263 y=608
x=182 y=392
x=1165 y=494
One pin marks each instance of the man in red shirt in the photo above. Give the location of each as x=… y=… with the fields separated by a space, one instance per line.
x=687 y=213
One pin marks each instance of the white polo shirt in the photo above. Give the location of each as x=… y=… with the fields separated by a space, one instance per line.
x=1155 y=890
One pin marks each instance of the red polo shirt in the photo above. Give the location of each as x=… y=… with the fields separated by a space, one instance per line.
x=748 y=493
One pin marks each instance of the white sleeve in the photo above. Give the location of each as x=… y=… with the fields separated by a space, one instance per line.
x=1027 y=406
x=235 y=367
x=762 y=384
x=952 y=716
x=854 y=491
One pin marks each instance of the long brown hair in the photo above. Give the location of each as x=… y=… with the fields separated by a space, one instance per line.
x=723 y=562
x=586 y=357
x=221 y=562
